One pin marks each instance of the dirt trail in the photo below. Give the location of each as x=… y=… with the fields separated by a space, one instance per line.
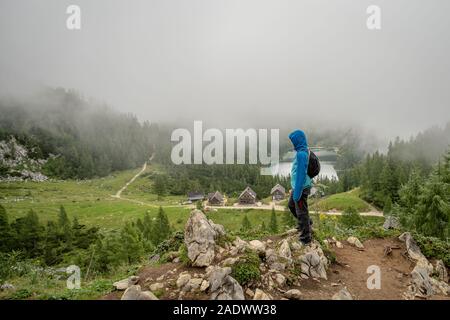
x=118 y=194
x=349 y=270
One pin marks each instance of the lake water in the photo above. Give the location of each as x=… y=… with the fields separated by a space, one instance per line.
x=326 y=169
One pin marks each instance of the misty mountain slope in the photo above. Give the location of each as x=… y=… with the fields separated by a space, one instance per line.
x=85 y=139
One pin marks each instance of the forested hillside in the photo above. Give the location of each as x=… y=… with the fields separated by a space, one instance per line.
x=77 y=138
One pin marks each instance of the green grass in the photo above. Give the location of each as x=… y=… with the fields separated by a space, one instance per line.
x=341 y=202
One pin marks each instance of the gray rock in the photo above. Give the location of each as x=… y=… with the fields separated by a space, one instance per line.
x=441 y=270
x=229 y=288
x=217 y=277
x=7 y=287
x=126 y=283
x=342 y=294
x=314 y=264
x=135 y=293
x=391 y=222
x=411 y=246
x=199 y=236
x=421 y=282
x=204 y=286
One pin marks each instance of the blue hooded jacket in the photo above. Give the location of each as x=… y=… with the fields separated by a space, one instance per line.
x=299 y=177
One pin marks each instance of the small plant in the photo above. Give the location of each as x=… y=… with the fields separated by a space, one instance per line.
x=351 y=218
x=247 y=268
x=184 y=255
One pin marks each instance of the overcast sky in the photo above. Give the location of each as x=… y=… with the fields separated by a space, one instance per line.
x=239 y=62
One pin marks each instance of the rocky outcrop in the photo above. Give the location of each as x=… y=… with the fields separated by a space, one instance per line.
x=199 y=236
x=423 y=285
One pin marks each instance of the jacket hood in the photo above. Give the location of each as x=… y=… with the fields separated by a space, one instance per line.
x=298 y=139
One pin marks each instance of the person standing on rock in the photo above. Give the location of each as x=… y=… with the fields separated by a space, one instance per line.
x=301 y=185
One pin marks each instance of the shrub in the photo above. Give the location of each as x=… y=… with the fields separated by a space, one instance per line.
x=351 y=218
x=247 y=268
x=434 y=248
x=184 y=255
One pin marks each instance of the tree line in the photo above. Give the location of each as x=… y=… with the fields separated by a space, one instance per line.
x=79 y=139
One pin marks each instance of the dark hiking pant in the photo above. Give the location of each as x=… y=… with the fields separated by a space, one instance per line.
x=300 y=211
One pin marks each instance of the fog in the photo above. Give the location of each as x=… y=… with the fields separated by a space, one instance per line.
x=237 y=63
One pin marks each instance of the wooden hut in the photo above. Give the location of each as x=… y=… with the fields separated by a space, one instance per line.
x=215 y=199
x=195 y=196
x=278 y=192
x=248 y=196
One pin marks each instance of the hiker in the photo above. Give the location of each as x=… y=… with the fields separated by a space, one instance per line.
x=301 y=183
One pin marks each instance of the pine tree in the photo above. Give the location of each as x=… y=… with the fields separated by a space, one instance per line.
x=263 y=227
x=387 y=209
x=161 y=228
x=160 y=186
x=246 y=225
x=28 y=234
x=148 y=226
x=273 y=226
x=6 y=237
x=132 y=247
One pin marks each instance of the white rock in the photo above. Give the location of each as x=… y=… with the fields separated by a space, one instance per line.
x=293 y=294
x=257 y=246
x=355 y=241
x=342 y=294
x=126 y=283
x=261 y=295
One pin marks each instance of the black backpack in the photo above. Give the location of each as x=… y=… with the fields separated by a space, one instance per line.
x=313 y=165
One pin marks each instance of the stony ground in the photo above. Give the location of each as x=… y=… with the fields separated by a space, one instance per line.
x=287 y=269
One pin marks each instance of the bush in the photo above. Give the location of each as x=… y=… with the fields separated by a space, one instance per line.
x=247 y=268
x=351 y=218
x=433 y=247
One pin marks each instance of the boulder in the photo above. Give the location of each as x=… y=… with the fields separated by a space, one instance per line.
x=342 y=294
x=126 y=283
x=134 y=292
x=261 y=295
x=355 y=241
x=199 y=236
x=313 y=262
x=293 y=294
x=391 y=222
x=222 y=286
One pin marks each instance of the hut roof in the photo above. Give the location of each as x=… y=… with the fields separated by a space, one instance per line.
x=278 y=187
x=248 y=190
